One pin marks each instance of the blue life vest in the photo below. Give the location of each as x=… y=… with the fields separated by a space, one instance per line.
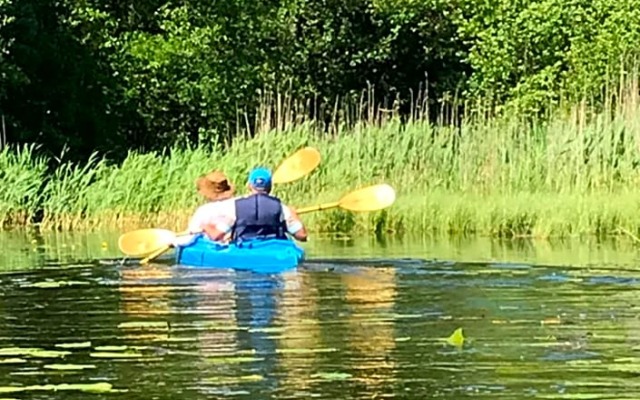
x=258 y=216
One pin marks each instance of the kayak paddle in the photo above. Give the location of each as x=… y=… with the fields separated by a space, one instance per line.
x=140 y=242
x=144 y=241
x=297 y=166
x=370 y=198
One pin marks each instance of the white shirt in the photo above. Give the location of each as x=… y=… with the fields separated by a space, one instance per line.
x=222 y=215
x=207 y=214
x=211 y=214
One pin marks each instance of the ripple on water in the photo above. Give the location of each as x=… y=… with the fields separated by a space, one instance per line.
x=333 y=329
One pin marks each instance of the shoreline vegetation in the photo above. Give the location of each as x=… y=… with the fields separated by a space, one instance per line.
x=573 y=172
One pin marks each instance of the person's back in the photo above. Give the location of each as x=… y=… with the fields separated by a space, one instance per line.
x=259 y=215
x=219 y=192
x=210 y=213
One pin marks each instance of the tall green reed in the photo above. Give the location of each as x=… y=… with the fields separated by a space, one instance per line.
x=22 y=175
x=574 y=172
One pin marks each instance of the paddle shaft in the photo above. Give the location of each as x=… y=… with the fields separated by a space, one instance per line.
x=319 y=207
x=154 y=254
x=162 y=249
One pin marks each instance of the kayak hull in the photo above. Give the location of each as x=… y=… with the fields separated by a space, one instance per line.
x=268 y=256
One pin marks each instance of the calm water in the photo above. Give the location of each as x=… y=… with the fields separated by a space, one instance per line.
x=360 y=320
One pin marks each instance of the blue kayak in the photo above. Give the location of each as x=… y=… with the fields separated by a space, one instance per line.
x=270 y=256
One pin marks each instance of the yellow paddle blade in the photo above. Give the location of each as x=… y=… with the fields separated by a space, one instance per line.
x=297 y=166
x=144 y=241
x=370 y=198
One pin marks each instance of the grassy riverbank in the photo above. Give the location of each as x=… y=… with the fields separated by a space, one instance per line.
x=578 y=174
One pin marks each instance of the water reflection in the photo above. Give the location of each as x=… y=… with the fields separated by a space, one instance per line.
x=370 y=294
x=21 y=250
x=298 y=315
x=335 y=328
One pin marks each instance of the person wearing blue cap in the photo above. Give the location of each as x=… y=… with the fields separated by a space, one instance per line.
x=258 y=215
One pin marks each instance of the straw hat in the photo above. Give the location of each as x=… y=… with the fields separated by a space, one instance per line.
x=215 y=186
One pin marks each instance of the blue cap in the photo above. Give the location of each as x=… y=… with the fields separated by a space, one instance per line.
x=260 y=178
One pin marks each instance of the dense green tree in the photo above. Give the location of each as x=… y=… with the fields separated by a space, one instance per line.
x=110 y=75
x=529 y=54
x=53 y=87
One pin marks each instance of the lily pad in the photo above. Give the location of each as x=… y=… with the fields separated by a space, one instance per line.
x=17 y=351
x=48 y=354
x=53 y=284
x=305 y=351
x=230 y=380
x=232 y=360
x=107 y=354
x=111 y=348
x=13 y=361
x=32 y=352
x=69 y=367
x=29 y=373
x=144 y=324
x=332 y=376
x=102 y=387
x=79 y=345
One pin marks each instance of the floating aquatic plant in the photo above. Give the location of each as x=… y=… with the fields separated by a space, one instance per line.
x=69 y=367
x=101 y=387
x=457 y=338
x=78 y=345
x=332 y=376
x=32 y=352
x=143 y=324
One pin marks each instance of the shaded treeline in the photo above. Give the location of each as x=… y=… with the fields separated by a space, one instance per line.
x=115 y=75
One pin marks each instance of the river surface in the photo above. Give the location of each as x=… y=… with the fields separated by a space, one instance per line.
x=361 y=319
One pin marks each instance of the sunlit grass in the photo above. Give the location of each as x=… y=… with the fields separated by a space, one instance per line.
x=22 y=175
x=576 y=174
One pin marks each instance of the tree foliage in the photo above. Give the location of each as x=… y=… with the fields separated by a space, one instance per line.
x=117 y=74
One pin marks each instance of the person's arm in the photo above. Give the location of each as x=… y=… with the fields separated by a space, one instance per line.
x=295 y=227
x=213 y=232
x=193 y=228
x=220 y=222
x=219 y=229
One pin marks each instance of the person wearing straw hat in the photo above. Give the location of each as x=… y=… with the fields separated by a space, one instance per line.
x=216 y=188
x=258 y=215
